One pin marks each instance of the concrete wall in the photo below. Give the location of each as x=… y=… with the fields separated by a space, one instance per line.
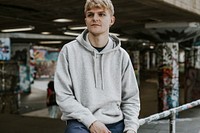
x=190 y=5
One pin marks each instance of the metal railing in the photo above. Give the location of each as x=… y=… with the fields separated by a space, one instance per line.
x=172 y=113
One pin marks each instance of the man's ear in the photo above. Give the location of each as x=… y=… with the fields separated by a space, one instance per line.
x=112 y=20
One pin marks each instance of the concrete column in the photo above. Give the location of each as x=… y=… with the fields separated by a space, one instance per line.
x=197 y=57
x=136 y=65
x=168 y=73
x=192 y=74
x=147 y=55
x=153 y=60
x=135 y=59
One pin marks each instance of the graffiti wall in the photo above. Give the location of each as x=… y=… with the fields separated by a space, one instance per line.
x=9 y=76
x=168 y=73
x=5 y=49
x=20 y=53
x=25 y=85
x=45 y=61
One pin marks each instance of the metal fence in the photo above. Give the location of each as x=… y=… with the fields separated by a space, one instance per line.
x=172 y=113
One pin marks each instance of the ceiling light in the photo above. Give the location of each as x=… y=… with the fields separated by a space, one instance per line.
x=19 y=29
x=123 y=39
x=143 y=43
x=151 y=47
x=71 y=33
x=115 y=34
x=77 y=27
x=62 y=20
x=50 y=42
x=45 y=33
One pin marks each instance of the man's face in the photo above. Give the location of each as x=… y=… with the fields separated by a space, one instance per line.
x=98 y=21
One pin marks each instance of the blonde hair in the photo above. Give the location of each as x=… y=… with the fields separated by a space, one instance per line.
x=106 y=4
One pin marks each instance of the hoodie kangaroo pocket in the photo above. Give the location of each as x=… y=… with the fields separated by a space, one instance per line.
x=112 y=109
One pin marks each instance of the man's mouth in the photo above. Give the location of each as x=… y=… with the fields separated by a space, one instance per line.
x=95 y=25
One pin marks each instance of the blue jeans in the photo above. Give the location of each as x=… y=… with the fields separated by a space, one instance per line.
x=73 y=126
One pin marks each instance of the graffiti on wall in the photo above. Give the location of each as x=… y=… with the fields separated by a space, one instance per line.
x=20 y=53
x=168 y=74
x=45 y=62
x=5 y=49
x=8 y=76
x=24 y=79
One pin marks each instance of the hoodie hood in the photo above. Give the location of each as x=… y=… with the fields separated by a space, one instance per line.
x=98 y=57
x=113 y=44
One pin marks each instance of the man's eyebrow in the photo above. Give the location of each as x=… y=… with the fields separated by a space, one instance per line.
x=89 y=12
x=97 y=12
x=102 y=12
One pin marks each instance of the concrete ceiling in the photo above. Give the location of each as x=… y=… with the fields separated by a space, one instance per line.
x=131 y=18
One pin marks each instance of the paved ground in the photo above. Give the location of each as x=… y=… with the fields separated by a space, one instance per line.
x=24 y=124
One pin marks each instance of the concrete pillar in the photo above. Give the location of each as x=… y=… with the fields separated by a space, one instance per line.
x=21 y=53
x=135 y=59
x=168 y=73
x=147 y=55
x=153 y=60
x=197 y=57
x=192 y=74
x=136 y=65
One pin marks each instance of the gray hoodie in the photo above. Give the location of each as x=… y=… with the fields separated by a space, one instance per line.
x=92 y=85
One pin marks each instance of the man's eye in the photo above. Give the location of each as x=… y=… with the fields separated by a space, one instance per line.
x=102 y=14
x=89 y=15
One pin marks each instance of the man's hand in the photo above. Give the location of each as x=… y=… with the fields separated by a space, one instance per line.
x=98 y=127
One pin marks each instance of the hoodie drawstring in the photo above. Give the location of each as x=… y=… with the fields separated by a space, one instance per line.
x=101 y=70
x=102 y=76
x=95 y=69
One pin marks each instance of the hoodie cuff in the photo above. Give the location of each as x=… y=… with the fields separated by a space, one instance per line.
x=88 y=120
x=133 y=127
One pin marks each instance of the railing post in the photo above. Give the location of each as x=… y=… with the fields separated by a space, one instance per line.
x=173 y=122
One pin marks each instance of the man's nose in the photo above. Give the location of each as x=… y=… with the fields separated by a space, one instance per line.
x=96 y=17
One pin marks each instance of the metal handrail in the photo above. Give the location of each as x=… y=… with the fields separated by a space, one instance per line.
x=171 y=112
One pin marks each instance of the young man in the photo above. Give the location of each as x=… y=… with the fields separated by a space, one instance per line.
x=94 y=81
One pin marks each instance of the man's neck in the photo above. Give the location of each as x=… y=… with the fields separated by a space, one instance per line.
x=98 y=41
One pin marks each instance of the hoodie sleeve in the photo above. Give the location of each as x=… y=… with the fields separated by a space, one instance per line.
x=69 y=106
x=130 y=96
